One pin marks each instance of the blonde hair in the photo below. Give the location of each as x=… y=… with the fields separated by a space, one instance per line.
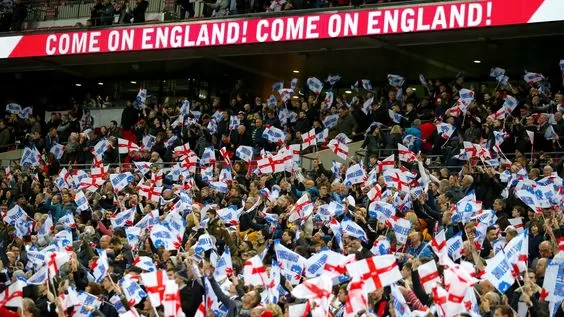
x=396 y=130
x=275 y=310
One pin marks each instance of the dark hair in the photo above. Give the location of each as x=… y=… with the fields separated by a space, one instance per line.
x=505 y=310
x=290 y=233
x=115 y=240
x=95 y=288
x=536 y=223
x=522 y=211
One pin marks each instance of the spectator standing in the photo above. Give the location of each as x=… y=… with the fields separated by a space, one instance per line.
x=53 y=122
x=87 y=121
x=6 y=14
x=415 y=132
x=20 y=13
x=139 y=11
x=346 y=124
x=372 y=143
x=51 y=139
x=5 y=135
x=256 y=136
x=220 y=7
x=64 y=128
x=108 y=12
x=186 y=6
x=129 y=117
x=96 y=13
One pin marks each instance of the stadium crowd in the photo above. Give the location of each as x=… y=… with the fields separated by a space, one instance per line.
x=196 y=209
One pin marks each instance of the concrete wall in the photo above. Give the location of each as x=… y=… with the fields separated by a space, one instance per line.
x=7 y=157
x=327 y=157
x=101 y=116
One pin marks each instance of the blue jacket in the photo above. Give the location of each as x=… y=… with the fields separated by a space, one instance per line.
x=417 y=133
x=313 y=192
x=423 y=251
x=57 y=210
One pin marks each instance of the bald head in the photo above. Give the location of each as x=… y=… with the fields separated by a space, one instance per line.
x=545 y=249
x=547 y=170
x=467 y=181
x=541 y=267
x=105 y=242
x=167 y=194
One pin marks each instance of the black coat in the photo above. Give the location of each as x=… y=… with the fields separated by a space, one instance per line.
x=129 y=117
x=108 y=13
x=139 y=12
x=302 y=125
x=238 y=139
x=191 y=297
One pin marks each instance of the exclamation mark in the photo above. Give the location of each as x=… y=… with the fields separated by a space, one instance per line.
x=245 y=25
x=488 y=13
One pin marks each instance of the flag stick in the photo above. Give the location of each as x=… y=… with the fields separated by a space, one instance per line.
x=154 y=309
x=498 y=82
x=442 y=146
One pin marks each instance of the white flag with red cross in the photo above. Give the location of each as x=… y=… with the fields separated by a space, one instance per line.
x=126 y=146
x=151 y=193
x=405 y=154
x=318 y=291
x=13 y=295
x=254 y=272
x=429 y=275
x=340 y=149
x=171 y=300
x=376 y=272
x=55 y=261
x=309 y=138
x=155 y=286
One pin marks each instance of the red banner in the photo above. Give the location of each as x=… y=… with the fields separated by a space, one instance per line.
x=394 y=20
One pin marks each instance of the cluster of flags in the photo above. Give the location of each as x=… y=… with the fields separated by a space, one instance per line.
x=323 y=269
x=14 y=108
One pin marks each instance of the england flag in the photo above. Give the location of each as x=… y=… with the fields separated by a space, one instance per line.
x=30 y=157
x=445 y=130
x=120 y=181
x=309 y=138
x=254 y=272
x=132 y=291
x=126 y=146
x=245 y=153
x=376 y=272
x=57 y=150
x=332 y=79
x=330 y=121
x=274 y=135
x=81 y=201
x=100 y=266
x=314 y=85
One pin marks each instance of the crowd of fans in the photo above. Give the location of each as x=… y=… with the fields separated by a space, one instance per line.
x=165 y=214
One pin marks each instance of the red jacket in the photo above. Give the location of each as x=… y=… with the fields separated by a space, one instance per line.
x=427 y=130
